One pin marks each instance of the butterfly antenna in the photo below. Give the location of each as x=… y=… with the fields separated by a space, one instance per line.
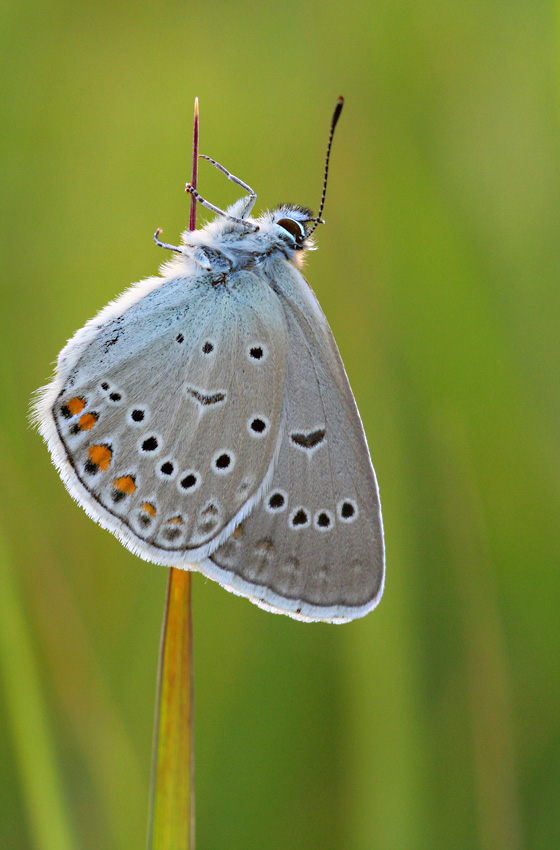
x=336 y=116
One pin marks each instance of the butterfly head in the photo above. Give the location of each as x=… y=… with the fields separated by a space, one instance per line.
x=292 y=226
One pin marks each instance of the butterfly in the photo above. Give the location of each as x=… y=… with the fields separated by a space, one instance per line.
x=205 y=418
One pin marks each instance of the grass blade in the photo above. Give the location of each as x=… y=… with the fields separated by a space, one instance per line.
x=172 y=794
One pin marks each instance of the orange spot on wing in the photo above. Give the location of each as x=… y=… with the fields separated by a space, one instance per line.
x=175 y=520
x=149 y=509
x=87 y=421
x=75 y=405
x=238 y=533
x=125 y=484
x=100 y=456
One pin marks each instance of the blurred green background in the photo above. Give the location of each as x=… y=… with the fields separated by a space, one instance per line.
x=433 y=722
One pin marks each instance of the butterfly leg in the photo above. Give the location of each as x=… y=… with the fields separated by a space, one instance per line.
x=252 y=194
x=195 y=252
x=248 y=226
x=165 y=244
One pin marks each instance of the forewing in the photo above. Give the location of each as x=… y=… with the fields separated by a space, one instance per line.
x=166 y=416
x=313 y=547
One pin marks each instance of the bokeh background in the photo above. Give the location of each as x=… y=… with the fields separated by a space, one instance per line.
x=433 y=722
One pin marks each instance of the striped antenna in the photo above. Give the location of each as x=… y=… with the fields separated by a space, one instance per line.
x=336 y=116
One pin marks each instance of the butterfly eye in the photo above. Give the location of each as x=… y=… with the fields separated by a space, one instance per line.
x=295 y=228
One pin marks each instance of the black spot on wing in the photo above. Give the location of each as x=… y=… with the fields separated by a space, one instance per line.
x=206 y=399
x=309 y=440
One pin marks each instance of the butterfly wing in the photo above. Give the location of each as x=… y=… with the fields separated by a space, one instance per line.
x=313 y=547
x=164 y=414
